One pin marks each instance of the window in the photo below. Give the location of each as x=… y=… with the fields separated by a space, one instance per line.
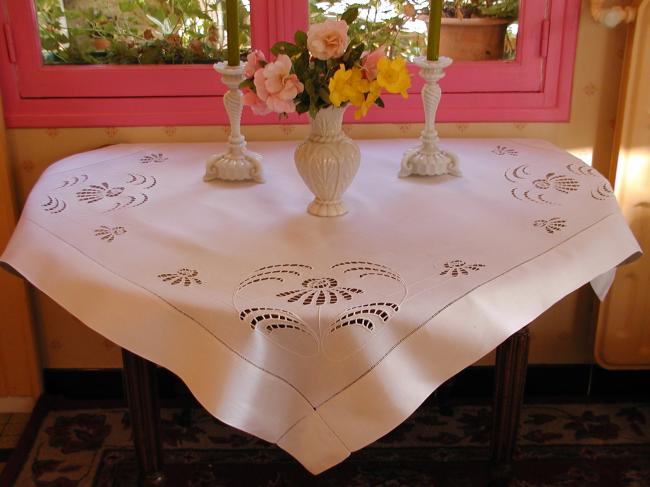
x=532 y=84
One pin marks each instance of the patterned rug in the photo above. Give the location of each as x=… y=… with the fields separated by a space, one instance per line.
x=578 y=445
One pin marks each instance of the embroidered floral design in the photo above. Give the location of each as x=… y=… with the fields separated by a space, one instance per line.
x=541 y=187
x=273 y=319
x=456 y=268
x=563 y=184
x=73 y=181
x=153 y=157
x=109 y=234
x=364 y=316
x=320 y=290
x=551 y=225
x=184 y=276
x=313 y=315
x=602 y=192
x=147 y=182
x=54 y=205
x=120 y=196
x=501 y=150
x=581 y=169
x=97 y=192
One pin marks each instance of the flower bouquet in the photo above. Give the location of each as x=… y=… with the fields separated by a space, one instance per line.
x=322 y=73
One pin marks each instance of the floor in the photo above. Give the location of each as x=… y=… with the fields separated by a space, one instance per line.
x=11 y=427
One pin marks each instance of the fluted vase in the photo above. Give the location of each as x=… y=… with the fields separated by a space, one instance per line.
x=327 y=161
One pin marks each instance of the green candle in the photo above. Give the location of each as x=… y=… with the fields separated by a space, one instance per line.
x=232 y=28
x=435 y=17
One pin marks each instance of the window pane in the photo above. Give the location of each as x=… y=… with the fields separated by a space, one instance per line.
x=472 y=29
x=136 y=31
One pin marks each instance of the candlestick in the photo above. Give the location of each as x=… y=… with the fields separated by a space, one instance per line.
x=428 y=159
x=232 y=28
x=435 y=18
x=237 y=163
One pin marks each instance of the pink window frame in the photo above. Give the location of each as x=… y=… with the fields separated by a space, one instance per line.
x=535 y=87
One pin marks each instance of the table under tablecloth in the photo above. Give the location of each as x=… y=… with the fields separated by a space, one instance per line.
x=318 y=334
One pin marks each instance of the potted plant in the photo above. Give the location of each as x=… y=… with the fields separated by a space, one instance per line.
x=475 y=30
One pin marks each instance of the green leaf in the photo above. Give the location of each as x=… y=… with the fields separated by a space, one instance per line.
x=379 y=102
x=313 y=110
x=247 y=83
x=300 y=38
x=284 y=47
x=350 y=15
x=309 y=88
x=325 y=95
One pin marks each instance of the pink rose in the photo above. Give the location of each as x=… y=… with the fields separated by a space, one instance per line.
x=328 y=39
x=276 y=86
x=369 y=61
x=257 y=105
x=253 y=62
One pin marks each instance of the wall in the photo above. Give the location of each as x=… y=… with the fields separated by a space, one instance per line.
x=562 y=335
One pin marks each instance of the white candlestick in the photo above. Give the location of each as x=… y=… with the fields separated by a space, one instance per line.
x=428 y=159
x=237 y=163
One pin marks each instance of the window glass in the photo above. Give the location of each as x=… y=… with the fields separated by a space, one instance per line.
x=136 y=31
x=472 y=29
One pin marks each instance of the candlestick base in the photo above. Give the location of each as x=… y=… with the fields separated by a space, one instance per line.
x=237 y=163
x=428 y=159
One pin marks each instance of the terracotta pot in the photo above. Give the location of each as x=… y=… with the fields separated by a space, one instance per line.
x=476 y=39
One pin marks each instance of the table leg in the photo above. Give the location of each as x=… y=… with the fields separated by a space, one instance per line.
x=511 y=366
x=142 y=395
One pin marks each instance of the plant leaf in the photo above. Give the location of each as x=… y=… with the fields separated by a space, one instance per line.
x=350 y=15
x=300 y=38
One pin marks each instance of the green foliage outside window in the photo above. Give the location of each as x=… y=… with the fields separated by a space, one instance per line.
x=136 y=31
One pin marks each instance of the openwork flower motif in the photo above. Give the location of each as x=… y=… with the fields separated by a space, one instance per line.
x=97 y=192
x=559 y=182
x=501 y=150
x=109 y=234
x=156 y=158
x=183 y=276
x=319 y=291
x=551 y=225
x=456 y=268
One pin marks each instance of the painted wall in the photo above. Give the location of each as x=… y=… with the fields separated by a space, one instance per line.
x=562 y=335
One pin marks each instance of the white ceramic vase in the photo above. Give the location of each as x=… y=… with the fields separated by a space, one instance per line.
x=327 y=161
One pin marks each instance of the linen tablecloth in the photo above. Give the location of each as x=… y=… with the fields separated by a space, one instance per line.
x=318 y=334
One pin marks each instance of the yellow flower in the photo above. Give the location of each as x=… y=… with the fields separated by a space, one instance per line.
x=338 y=84
x=358 y=87
x=371 y=97
x=393 y=75
x=348 y=85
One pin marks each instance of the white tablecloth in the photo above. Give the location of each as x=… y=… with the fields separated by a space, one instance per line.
x=320 y=335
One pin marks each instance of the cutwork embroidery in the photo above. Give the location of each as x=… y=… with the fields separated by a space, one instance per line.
x=184 y=276
x=551 y=183
x=155 y=158
x=54 y=205
x=501 y=150
x=602 y=192
x=551 y=225
x=457 y=268
x=581 y=169
x=109 y=234
x=73 y=181
x=129 y=194
x=314 y=315
x=319 y=291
